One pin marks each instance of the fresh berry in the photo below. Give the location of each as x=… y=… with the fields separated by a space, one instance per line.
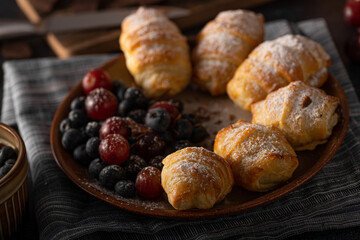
x=181 y=144
x=114 y=149
x=4 y=170
x=65 y=124
x=77 y=118
x=123 y=108
x=148 y=183
x=351 y=13
x=170 y=108
x=78 y=103
x=117 y=85
x=157 y=119
x=92 y=147
x=136 y=98
x=182 y=129
x=191 y=117
x=166 y=136
x=198 y=134
x=114 y=125
x=120 y=94
x=81 y=156
x=101 y=104
x=71 y=139
x=6 y=153
x=95 y=167
x=148 y=145
x=125 y=188
x=138 y=115
x=133 y=166
x=157 y=162
x=178 y=104
x=92 y=129
x=96 y=79
x=110 y=175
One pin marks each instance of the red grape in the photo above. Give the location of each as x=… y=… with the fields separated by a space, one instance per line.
x=169 y=107
x=114 y=149
x=114 y=125
x=148 y=182
x=100 y=104
x=96 y=79
x=352 y=13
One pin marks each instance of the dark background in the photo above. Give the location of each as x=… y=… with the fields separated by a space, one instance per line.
x=292 y=10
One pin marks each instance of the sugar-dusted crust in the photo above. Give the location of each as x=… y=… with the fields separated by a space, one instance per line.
x=195 y=178
x=222 y=45
x=260 y=157
x=274 y=64
x=305 y=114
x=156 y=53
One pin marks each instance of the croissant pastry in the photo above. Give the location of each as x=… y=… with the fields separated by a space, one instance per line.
x=274 y=64
x=195 y=178
x=222 y=45
x=260 y=157
x=305 y=114
x=156 y=53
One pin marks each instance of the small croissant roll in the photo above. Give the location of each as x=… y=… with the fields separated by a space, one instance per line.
x=305 y=114
x=260 y=157
x=156 y=53
x=222 y=45
x=274 y=64
x=195 y=178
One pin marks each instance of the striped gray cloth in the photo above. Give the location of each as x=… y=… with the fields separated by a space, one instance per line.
x=33 y=90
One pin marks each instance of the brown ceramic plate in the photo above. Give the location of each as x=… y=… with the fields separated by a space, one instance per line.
x=219 y=113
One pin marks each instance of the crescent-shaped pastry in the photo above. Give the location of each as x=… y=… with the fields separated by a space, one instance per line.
x=260 y=157
x=222 y=45
x=274 y=64
x=305 y=114
x=195 y=178
x=156 y=53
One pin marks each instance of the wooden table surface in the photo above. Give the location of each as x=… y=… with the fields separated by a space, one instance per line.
x=293 y=10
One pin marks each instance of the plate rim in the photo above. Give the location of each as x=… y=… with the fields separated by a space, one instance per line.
x=195 y=213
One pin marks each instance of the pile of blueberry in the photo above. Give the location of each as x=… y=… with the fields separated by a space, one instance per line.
x=122 y=136
x=8 y=157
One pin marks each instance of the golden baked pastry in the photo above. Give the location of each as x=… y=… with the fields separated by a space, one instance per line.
x=305 y=114
x=260 y=157
x=195 y=178
x=274 y=64
x=156 y=53
x=222 y=45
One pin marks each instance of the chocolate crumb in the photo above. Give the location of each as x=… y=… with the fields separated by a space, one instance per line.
x=306 y=101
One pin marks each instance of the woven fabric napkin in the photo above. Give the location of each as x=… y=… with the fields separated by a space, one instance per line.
x=33 y=90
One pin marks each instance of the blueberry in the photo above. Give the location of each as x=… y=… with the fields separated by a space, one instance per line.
x=157 y=162
x=166 y=135
x=123 y=108
x=157 y=119
x=178 y=104
x=4 y=170
x=77 y=118
x=72 y=138
x=182 y=129
x=198 y=134
x=78 y=103
x=117 y=85
x=65 y=124
x=138 y=115
x=10 y=161
x=81 y=156
x=96 y=166
x=136 y=98
x=110 y=175
x=133 y=166
x=193 y=119
x=120 y=94
x=125 y=188
x=6 y=153
x=132 y=93
x=181 y=144
x=92 y=147
x=92 y=129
